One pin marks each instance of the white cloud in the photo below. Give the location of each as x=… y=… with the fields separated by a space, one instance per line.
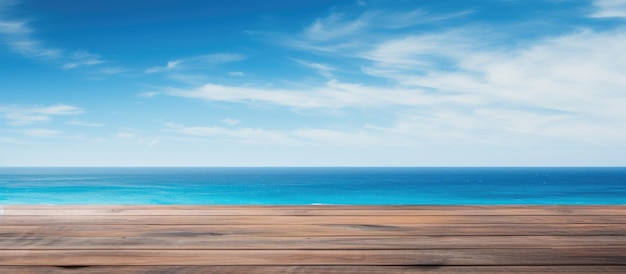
x=25 y=115
x=82 y=58
x=126 y=135
x=8 y=140
x=236 y=73
x=113 y=70
x=40 y=132
x=404 y=19
x=467 y=84
x=609 y=9
x=245 y=135
x=171 y=65
x=192 y=79
x=197 y=62
x=19 y=37
x=75 y=122
x=32 y=48
x=421 y=52
x=322 y=69
x=335 y=137
x=149 y=94
x=231 y=122
x=568 y=87
x=14 y=27
x=310 y=136
x=334 y=26
x=346 y=33
x=333 y=95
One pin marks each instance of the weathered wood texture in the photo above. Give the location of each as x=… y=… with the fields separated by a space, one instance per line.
x=312 y=239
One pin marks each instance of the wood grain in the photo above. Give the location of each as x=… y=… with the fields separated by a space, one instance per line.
x=430 y=257
x=312 y=239
x=354 y=269
x=307 y=243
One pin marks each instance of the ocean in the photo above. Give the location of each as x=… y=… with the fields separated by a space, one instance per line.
x=309 y=186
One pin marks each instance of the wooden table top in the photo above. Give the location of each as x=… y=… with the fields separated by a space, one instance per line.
x=312 y=239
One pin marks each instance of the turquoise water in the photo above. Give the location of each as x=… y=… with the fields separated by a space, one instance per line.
x=304 y=186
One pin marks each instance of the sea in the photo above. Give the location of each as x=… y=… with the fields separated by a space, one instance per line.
x=316 y=186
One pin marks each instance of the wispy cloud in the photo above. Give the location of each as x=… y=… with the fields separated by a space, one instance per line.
x=566 y=86
x=332 y=95
x=322 y=69
x=14 y=27
x=466 y=82
x=404 y=19
x=428 y=51
x=343 y=33
x=310 y=136
x=18 y=36
x=82 y=58
x=76 y=122
x=609 y=9
x=41 y=132
x=231 y=122
x=113 y=70
x=22 y=39
x=197 y=62
x=8 y=140
x=126 y=135
x=245 y=135
x=334 y=26
x=148 y=94
x=236 y=73
x=171 y=65
x=26 y=115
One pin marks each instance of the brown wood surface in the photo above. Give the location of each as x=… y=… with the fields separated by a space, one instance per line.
x=312 y=239
x=354 y=269
x=307 y=243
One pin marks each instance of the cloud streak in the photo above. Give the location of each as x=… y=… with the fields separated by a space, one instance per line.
x=609 y=9
x=333 y=95
x=322 y=69
x=75 y=122
x=468 y=82
x=258 y=136
x=197 y=62
x=41 y=132
x=343 y=33
x=20 y=38
x=26 y=115
x=83 y=58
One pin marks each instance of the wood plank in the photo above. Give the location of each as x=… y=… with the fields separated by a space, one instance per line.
x=546 y=256
x=320 y=220
x=313 y=230
x=307 y=243
x=313 y=239
x=307 y=210
x=310 y=269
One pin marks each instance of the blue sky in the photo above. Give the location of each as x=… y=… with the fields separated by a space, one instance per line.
x=312 y=83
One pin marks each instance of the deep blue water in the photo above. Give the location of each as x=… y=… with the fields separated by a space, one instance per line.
x=298 y=186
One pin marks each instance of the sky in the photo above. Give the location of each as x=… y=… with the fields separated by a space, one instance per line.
x=313 y=83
